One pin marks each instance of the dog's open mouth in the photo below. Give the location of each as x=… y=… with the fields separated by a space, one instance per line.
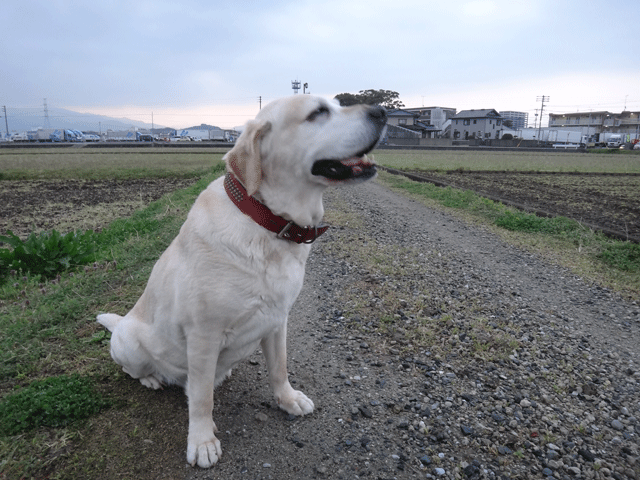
x=359 y=167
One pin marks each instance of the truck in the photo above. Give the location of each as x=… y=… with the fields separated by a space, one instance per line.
x=615 y=141
x=144 y=137
x=67 y=135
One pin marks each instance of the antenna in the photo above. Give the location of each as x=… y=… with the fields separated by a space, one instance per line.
x=46 y=115
x=295 y=84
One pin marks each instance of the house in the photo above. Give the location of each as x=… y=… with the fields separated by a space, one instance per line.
x=477 y=124
x=438 y=117
x=407 y=120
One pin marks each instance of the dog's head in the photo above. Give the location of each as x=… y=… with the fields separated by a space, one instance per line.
x=299 y=145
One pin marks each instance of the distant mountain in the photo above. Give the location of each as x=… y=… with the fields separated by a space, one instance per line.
x=23 y=120
x=203 y=126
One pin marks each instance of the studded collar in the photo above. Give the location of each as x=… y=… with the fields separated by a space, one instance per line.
x=264 y=217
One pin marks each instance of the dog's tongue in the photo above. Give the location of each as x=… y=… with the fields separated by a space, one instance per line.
x=356 y=164
x=349 y=168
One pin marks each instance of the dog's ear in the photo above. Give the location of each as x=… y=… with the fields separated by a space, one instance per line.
x=244 y=159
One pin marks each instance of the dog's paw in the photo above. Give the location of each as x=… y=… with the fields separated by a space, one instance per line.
x=151 y=382
x=204 y=454
x=295 y=402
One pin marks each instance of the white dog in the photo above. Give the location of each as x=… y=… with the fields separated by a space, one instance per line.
x=225 y=285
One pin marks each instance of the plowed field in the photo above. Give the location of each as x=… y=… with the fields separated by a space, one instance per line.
x=607 y=202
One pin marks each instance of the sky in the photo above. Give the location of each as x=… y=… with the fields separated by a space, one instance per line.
x=207 y=61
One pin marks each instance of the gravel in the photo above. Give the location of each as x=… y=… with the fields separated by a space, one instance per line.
x=432 y=349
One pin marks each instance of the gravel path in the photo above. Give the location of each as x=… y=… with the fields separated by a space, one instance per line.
x=432 y=349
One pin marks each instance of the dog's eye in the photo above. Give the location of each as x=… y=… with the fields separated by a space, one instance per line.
x=317 y=113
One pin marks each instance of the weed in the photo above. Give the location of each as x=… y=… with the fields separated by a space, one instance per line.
x=53 y=402
x=46 y=253
x=528 y=222
x=622 y=255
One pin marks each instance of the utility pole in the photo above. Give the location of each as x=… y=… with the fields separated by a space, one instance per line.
x=541 y=99
x=260 y=101
x=46 y=115
x=6 y=122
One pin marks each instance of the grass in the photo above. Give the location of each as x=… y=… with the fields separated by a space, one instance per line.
x=106 y=163
x=52 y=402
x=508 y=161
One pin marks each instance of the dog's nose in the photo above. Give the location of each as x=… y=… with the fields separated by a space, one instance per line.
x=378 y=115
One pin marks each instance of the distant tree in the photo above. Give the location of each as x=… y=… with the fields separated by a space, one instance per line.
x=507 y=122
x=387 y=98
x=347 y=99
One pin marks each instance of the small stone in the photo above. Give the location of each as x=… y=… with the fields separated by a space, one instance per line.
x=552 y=455
x=266 y=465
x=425 y=460
x=547 y=472
x=575 y=471
x=587 y=455
x=466 y=430
x=524 y=403
x=439 y=471
x=471 y=470
x=502 y=450
x=617 y=424
x=261 y=417
x=497 y=417
x=366 y=411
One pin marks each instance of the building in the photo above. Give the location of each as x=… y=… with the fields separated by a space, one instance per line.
x=519 y=120
x=601 y=124
x=407 y=120
x=477 y=124
x=438 y=117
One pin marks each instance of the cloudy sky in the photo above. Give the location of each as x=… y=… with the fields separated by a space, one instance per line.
x=207 y=61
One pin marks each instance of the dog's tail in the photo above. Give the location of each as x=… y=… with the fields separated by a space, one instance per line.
x=109 y=320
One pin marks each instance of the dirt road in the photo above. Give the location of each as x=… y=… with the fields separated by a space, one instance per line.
x=434 y=350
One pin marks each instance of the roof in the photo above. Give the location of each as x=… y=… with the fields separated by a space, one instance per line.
x=578 y=114
x=396 y=112
x=485 y=113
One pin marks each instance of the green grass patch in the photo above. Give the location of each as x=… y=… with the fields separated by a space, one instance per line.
x=521 y=161
x=624 y=256
x=518 y=221
x=52 y=402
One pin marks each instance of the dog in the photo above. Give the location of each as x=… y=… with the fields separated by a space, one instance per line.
x=225 y=285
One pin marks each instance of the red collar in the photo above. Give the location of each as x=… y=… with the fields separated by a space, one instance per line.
x=264 y=217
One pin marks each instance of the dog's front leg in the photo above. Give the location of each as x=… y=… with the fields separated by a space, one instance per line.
x=274 y=348
x=203 y=447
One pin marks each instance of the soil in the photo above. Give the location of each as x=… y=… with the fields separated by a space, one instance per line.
x=35 y=205
x=607 y=202
x=431 y=349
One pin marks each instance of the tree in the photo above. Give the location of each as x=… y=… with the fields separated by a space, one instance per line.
x=386 y=98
